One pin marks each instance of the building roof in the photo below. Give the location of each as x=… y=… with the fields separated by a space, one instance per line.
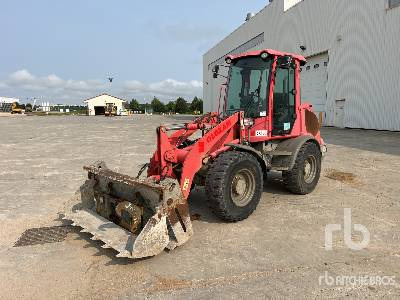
x=267 y=6
x=104 y=94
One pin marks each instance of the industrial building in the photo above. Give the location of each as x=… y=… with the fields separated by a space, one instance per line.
x=97 y=105
x=352 y=47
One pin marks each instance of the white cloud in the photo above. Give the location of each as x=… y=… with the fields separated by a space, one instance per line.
x=52 y=88
x=165 y=89
x=22 y=76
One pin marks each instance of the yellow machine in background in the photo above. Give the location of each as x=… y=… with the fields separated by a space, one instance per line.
x=111 y=110
x=15 y=109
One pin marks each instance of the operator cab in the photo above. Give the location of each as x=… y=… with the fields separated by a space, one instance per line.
x=263 y=86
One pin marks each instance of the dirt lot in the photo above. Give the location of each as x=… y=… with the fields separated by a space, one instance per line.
x=278 y=252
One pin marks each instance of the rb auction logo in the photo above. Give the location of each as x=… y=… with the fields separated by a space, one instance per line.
x=347 y=229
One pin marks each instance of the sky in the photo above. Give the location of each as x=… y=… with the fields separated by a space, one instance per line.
x=64 y=51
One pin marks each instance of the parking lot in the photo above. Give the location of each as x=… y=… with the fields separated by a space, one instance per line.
x=278 y=252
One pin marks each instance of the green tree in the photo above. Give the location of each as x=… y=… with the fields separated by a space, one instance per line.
x=134 y=105
x=142 y=107
x=181 y=106
x=170 y=107
x=28 y=107
x=157 y=105
x=197 y=105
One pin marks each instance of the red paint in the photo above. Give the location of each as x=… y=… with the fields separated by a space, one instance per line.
x=201 y=146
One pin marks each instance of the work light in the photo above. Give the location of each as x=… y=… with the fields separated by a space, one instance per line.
x=264 y=55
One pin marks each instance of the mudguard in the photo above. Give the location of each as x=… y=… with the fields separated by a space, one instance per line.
x=292 y=147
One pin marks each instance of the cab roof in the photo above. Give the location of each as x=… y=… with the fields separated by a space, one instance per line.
x=269 y=51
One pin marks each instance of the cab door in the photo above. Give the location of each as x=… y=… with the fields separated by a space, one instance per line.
x=284 y=98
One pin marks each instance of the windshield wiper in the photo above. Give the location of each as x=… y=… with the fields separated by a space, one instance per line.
x=259 y=90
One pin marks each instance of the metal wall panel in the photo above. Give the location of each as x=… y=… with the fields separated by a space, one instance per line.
x=362 y=38
x=313 y=83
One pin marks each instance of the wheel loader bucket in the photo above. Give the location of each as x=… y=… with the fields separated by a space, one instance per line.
x=137 y=218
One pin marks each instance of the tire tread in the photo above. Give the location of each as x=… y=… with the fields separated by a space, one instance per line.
x=291 y=179
x=215 y=185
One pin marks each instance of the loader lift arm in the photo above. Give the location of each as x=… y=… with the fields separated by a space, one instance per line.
x=170 y=154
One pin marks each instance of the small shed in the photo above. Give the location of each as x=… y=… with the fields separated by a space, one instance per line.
x=97 y=105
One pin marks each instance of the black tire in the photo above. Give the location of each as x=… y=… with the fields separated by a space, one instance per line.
x=304 y=176
x=234 y=185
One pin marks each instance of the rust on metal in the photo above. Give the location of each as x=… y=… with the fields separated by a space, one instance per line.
x=312 y=123
x=125 y=179
x=138 y=218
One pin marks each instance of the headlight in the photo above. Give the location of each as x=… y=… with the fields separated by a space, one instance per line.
x=248 y=122
x=264 y=55
x=228 y=60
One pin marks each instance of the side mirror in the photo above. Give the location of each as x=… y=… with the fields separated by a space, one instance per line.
x=215 y=71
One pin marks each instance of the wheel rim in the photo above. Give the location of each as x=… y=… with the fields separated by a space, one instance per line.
x=310 y=169
x=243 y=187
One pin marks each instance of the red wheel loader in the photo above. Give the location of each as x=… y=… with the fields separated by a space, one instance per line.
x=262 y=127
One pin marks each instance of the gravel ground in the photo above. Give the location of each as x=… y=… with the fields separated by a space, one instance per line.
x=278 y=252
